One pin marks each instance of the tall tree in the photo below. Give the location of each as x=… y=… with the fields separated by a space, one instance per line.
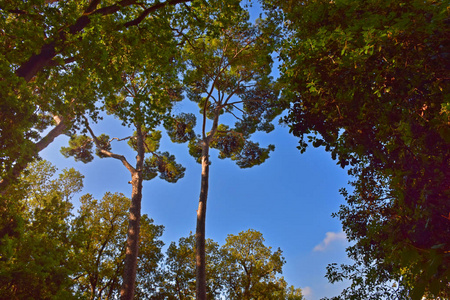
x=38 y=254
x=58 y=58
x=144 y=140
x=370 y=78
x=227 y=73
x=143 y=103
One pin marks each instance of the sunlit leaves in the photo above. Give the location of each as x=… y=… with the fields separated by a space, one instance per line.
x=251 y=268
x=60 y=57
x=243 y=268
x=228 y=74
x=104 y=143
x=180 y=267
x=103 y=227
x=37 y=255
x=151 y=140
x=227 y=142
x=195 y=149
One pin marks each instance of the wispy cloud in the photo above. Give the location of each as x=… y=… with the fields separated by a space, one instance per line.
x=330 y=238
x=307 y=291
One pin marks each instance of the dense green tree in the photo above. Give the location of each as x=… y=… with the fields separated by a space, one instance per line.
x=103 y=226
x=227 y=73
x=250 y=268
x=38 y=254
x=368 y=80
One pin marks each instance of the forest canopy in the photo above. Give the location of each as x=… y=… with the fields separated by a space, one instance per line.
x=367 y=81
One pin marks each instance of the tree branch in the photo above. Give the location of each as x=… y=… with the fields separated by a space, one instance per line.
x=106 y=152
x=151 y=9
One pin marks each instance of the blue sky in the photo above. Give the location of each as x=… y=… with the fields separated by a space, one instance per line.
x=289 y=199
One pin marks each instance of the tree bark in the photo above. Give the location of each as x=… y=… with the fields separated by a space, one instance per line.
x=132 y=248
x=200 y=230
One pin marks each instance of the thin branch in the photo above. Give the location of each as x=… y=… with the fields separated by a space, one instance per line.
x=106 y=152
x=234 y=103
x=238 y=108
x=119 y=140
x=151 y=9
x=230 y=112
x=205 y=106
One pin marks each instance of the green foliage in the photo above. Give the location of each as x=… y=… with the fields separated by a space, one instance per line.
x=180 y=128
x=232 y=144
x=59 y=57
x=367 y=81
x=38 y=246
x=165 y=165
x=46 y=252
x=227 y=142
x=252 y=155
x=229 y=73
x=250 y=267
x=243 y=268
x=151 y=140
x=80 y=147
x=103 y=227
x=179 y=274
x=104 y=143
x=195 y=149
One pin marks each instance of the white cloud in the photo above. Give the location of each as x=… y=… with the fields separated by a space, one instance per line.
x=329 y=238
x=307 y=291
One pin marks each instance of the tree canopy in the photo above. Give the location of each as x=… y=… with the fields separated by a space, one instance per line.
x=37 y=245
x=60 y=57
x=368 y=80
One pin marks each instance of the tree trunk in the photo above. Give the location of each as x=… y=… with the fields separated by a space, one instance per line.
x=132 y=248
x=200 y=231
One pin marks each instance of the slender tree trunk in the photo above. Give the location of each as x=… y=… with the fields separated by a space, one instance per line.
x=132 y=248
x=132 y=251
x=200 y=231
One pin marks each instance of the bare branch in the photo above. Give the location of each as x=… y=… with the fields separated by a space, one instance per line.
x=119 y=140
x=230 y=112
